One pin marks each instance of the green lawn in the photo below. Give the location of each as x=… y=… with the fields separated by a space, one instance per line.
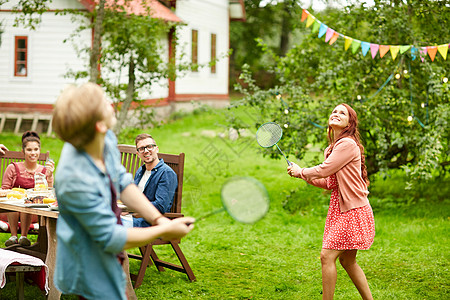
x=278 y=258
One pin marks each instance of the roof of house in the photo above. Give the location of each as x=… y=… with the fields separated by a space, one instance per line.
x=138 y=7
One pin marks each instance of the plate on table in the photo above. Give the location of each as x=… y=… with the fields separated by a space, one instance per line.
x=36 y=205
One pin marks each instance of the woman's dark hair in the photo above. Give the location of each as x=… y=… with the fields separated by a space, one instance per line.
x=30 y=136
x=351 y=131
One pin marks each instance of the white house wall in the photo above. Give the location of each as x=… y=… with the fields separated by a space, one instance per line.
x=206 y=16
x=49 y=58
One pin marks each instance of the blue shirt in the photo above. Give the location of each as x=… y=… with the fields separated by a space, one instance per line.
x=159 y=189
x=89 y=237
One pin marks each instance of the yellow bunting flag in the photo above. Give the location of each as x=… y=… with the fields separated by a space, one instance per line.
x=309 y=20
x=405 y=48
x=432 y=52
x=355 y=45
x=304 y=15
x=348 y=42
x=443 y=49
x=334 y=37
x=394 y=51
x=383 y=50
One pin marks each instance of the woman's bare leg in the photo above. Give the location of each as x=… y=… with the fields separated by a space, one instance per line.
x=329 y=274
x=356 y=274
x=13 y=220
x=25 y=222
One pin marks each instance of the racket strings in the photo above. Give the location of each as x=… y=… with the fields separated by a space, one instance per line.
x=268 y=134
x=245 y=200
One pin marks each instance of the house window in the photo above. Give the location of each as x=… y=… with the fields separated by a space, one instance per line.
x=21 y=56
x=195 y=50
x=213 y=53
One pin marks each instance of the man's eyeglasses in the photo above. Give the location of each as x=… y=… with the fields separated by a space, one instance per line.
x=148 y=148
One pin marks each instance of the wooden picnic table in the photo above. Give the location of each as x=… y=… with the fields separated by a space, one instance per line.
x=45 y=246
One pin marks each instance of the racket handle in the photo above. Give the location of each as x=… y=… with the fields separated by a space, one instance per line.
x=289 y=162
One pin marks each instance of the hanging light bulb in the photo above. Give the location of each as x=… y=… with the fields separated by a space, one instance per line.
x=422 y=105
x=445 y=80
x=397 y=76
x=405 y=72
x=278 y=96
x=286 y=111
x=358 y=97
x=286 y=125
x=410 y=118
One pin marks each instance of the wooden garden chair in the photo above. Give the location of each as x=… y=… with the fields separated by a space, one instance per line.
x=132 y=162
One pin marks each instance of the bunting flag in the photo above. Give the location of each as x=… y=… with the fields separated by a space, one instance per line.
x=331 y=36
x=348 y=42
x=394 y=51
x=355 y=45
x=334 y=38
x=374 y=49
x=322 y=30
x=365 y=46
x=443 y=49
x=383 y=50
x=316 y=26
x=309 y=20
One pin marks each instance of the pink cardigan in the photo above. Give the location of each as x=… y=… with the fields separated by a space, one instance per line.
x=345 y=162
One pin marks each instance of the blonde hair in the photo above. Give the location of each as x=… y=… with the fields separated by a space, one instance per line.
x=76 y=112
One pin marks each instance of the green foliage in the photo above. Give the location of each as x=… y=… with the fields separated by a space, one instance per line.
x=314 y=77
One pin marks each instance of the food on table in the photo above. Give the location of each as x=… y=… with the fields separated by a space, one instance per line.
x=40 y=187
x=4 y=193
x=35 y=200
x=15 y=195
x=49 y=200
x=20 y=190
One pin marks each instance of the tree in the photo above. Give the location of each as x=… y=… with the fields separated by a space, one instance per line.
x=273 y=23
x=314 y=77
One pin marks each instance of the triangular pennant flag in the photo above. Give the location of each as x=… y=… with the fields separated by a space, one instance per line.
x=394 y=51
x=432 y=50
x=443 y=49
x=423 y=53
x=365 y=46
x=414 y=53
x=309 y=20
x=334 y=38
x=322 y=30
x=304 y=15
x=348 y=42
x=329 y=34
x=383 y=50
x=403 y=49
x=374 y=49
x=315 y=26
x=355 y=45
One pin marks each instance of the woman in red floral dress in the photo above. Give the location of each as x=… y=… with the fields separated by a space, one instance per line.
x=350 y=225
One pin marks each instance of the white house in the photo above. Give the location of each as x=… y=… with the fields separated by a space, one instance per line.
x=33 y=62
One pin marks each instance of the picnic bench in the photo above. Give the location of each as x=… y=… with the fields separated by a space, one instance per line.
x=132 y=162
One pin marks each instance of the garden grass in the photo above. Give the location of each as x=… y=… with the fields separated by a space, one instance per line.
x=278 y=257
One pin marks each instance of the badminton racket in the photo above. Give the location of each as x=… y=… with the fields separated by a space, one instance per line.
x=245 y=199
x=268 y=135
